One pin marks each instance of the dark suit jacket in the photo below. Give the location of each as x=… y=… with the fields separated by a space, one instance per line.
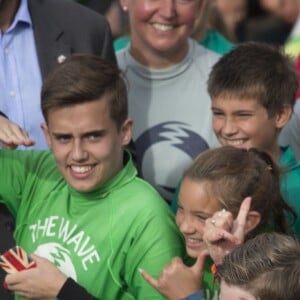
x=61 y=27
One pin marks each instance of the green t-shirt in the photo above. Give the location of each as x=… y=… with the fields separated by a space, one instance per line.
x=290 y=184
x=100 y=238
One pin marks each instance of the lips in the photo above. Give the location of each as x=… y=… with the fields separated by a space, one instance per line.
x=193 y=242
x=234 y=143
x=81 y=171
x=163 y=27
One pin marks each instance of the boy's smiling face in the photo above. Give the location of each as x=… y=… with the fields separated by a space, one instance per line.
x=86 y=143
x=245 y=124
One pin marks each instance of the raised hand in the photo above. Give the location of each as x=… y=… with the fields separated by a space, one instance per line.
x=12 y=135
x=178 y=281
x=222 y=233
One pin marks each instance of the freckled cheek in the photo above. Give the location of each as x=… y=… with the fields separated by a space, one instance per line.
x=199 y=228
x=142 y=12
x=178 y=219
x=217 y=125
x=187 y=16
x=60 y=153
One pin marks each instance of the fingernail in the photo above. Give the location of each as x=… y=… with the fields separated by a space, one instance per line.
x=220 y=234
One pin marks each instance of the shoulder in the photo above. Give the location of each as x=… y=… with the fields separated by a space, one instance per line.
x=216 y=42
x=288 y=160
x=203 y=57
x=122 y=58
x=65 y=12
x=140 y=189
x=32 y=162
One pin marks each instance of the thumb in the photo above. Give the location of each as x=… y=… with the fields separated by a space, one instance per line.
x=152 y=281
x=198 y=267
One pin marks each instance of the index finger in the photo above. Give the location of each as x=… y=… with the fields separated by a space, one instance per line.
x=242 y=215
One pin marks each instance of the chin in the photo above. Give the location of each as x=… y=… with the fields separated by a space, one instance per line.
x=194 y=252
x=81 y=188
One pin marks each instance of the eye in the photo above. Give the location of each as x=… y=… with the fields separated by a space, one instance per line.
x=217 y=113
x=94 y=137
x=179 y=208
x=63 y=138
x=201 y=218
x=244 y=115
x=185 y=1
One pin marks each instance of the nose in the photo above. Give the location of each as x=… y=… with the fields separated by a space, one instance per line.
x=229 y=127
x=79 y=152
x=185 y=224
x=167 y=9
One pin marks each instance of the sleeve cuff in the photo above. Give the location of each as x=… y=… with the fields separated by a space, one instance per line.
x=72 y=290
x=196 y=296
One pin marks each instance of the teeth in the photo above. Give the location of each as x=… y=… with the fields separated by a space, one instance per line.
x=81 y=169
x=235 y=142
x=162 y=27
x=194 y=240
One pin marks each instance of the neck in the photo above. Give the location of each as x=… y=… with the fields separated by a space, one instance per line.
x=157 y=59
x=276 y=154
x=8 y=10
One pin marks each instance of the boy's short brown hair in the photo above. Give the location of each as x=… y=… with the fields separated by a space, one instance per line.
x=84 y=78
x=258 y=71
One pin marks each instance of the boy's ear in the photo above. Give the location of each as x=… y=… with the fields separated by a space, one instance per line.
x=126 y=131
x=253 y=219
x=283 y=116
x=46 y=134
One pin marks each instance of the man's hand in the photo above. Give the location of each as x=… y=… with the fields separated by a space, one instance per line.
x=178 y=281
x=12 y=135
x=40 y=283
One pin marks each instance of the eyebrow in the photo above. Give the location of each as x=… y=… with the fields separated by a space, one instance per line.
x=83 y=135
x=199 y=212
x=237 y=111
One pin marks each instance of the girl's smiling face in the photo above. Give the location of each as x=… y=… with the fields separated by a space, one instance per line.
x=196 y=203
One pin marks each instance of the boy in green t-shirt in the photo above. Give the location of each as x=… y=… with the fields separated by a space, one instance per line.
x=80 y=207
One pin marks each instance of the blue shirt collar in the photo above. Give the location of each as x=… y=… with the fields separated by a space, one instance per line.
x=22 y=16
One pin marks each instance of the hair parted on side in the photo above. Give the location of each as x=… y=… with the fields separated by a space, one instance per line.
x=84 y=78
x=232 y=174
x=268 y=266
x=254 y=70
